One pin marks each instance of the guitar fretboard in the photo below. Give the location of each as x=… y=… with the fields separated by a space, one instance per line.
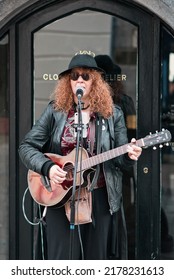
x=97 y=159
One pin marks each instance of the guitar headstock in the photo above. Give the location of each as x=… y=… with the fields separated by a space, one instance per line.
x=164 y=136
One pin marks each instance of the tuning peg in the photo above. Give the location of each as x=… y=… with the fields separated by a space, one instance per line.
x=156 y=131
x=150 y=133
x=161 y=146
x=154 y=148
x=167 y=144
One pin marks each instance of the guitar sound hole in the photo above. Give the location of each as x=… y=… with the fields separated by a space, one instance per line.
x=69 y=168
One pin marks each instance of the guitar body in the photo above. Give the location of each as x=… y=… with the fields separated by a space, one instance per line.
x=61 y=193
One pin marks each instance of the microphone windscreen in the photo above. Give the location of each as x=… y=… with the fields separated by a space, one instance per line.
x=79 y=91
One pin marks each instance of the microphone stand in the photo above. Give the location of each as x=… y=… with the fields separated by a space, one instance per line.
x=79 y=129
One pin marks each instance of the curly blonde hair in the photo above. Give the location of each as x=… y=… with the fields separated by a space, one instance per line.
x=100 y=97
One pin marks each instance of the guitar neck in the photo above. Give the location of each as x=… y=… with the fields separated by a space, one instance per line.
x=97 y=159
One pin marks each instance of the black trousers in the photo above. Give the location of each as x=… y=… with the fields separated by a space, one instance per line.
x=96 y=237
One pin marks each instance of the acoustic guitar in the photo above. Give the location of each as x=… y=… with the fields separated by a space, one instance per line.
x=47 y=194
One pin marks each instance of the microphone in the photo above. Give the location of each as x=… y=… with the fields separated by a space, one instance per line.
x=79 y=92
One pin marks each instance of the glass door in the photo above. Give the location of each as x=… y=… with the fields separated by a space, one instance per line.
x=108 y=37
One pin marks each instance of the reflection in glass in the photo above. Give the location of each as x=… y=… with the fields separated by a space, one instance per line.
x=167 y=119
x=103 y=34
x=4 y=148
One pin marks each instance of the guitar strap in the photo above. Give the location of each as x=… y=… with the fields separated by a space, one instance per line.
x=98 y=130
x=111 y=129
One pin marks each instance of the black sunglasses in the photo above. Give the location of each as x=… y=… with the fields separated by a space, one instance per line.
x=75 y=75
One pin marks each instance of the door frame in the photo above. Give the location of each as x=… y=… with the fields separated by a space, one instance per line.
x=21 y=63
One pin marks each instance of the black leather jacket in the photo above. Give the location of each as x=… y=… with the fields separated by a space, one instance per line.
x=45 y=136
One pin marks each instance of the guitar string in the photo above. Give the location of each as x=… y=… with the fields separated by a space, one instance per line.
x=70 y=166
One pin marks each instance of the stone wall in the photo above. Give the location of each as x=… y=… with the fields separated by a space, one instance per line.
x=162 y=8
